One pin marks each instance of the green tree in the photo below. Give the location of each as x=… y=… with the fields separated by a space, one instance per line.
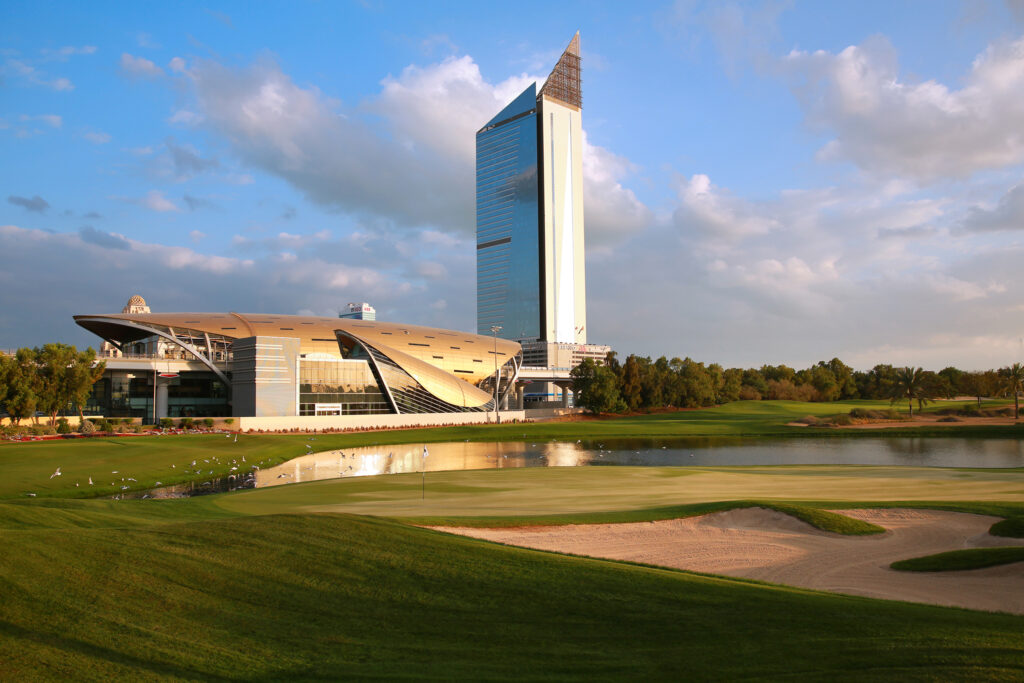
x=910 y=384
x=632 y=382
x=1013 y=381
x=54 y=369
x=596 y=388
x=85 y=372
x=23 y=386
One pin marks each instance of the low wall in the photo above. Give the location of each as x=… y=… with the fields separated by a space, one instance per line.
x=365 y=422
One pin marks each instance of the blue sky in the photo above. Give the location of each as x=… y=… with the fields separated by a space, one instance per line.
x=777 y=182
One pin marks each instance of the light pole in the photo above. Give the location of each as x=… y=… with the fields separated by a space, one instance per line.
x=495 y=329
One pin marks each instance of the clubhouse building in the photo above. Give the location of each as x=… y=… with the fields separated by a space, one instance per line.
x=258 y=365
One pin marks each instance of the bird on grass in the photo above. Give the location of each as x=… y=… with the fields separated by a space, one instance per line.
x=90 y=481
x=55 y=474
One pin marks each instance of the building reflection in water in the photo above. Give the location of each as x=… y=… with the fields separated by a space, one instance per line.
x=369 y=461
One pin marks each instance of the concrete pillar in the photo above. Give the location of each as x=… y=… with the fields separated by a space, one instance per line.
x=565 y=396
x=520 y=390
x=161 y=400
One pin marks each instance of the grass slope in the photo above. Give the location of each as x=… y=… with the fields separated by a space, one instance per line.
x=27 y=466
x=335 y=596
x=1012 y=527
x=816 y=517
x=959 y=560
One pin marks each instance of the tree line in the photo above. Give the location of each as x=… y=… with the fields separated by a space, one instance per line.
x=52 y=379
x=639 y=383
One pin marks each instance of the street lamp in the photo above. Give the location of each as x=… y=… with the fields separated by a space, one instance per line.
x=495 y=329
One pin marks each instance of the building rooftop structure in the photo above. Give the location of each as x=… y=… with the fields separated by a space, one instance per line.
x=529 y=212
x=412 y=368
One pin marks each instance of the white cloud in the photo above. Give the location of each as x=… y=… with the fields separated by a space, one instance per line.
x=924 y=130
x=67 y=51
x=176 y=65
x=97 y=137
x=196 y=236
x=412 y=165
x=1007 y=214
x=154 y=200
x=30 y=74
x=716 y=213
x=139 y=67
x=185 y=118
x=52 y=120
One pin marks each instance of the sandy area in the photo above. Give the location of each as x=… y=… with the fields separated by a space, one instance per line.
x=925 y=421
x=764 y=544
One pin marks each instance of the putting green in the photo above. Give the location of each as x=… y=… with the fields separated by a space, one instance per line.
x=545 y=491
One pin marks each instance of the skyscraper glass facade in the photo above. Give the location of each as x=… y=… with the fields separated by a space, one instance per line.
x=529 y=191
x=508 y=242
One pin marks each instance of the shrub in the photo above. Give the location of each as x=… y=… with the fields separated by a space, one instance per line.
x=42 y=430
x=861 y=413
x=229 y=421
x=102 y=425
x=749 y=393
x=949 y=418
x=186 y=423
x=86 y=427
x=63 y=426
x=208 y=422
x=810 y=420
x=166 y=423
x=842 y=420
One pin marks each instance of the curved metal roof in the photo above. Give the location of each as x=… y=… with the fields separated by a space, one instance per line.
x=449 y=364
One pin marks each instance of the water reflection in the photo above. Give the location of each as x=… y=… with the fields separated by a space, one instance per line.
x=376 y=460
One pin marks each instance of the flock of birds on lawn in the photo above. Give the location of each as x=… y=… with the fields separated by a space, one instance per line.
x=247 y=479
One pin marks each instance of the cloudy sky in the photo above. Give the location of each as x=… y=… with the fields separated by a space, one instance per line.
x=777 y=182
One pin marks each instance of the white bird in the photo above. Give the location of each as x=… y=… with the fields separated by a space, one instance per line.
x=193 y=463
x=90 y=481
x=76 y=484
x=158 y=483
x=131 y=478
x=243 y=458
x=227 y=436
x=113 y=472
x=31 y=495
x=55 y=474
x=236 y=438
x=172 y=466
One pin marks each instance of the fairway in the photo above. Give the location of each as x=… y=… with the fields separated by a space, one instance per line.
x=328 y=580
x=553 y=491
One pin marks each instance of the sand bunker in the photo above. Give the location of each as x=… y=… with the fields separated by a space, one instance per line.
x=764 y=544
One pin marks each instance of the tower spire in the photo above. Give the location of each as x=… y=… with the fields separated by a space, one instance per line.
x=564 y=82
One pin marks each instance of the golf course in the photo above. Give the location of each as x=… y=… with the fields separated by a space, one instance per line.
x=381 y=577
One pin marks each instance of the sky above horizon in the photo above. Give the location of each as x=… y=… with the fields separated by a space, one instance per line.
x=776 y=182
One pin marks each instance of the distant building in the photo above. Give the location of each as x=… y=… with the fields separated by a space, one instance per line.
x=529 y=212
x=136 y=304
x=261 y=365
x=363 y=311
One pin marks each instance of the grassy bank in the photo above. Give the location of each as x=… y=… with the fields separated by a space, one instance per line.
x=27 y=467
x=960 y=560
x=334 y=596
x=818 y=517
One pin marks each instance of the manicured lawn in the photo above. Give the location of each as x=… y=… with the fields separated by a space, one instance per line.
x=291 y=597
x=27 y=466
x=959 y=560
x=262 y=584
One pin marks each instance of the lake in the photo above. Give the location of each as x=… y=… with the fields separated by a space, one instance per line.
x=690 y=452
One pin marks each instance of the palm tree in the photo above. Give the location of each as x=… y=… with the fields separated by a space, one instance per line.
x=909 y=383
x=1013 y=380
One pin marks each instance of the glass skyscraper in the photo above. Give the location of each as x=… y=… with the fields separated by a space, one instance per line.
x=529 y=216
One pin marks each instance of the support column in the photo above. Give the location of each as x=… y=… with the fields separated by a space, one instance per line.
x=161 y=400
x=520 y=390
